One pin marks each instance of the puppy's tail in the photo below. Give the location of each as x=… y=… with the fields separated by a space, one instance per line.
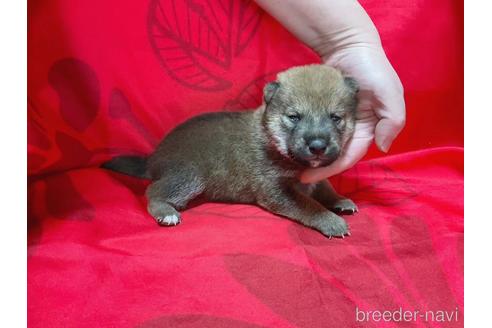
x=130 y=165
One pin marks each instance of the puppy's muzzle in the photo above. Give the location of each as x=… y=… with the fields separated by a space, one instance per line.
x=317 y=146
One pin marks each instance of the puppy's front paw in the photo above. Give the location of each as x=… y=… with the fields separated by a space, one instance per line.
x=334 y=226
x=344 y=206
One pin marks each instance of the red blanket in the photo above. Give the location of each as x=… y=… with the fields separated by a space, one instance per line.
x=113 y=77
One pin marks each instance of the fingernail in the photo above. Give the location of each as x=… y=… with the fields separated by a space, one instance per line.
x=385 y=146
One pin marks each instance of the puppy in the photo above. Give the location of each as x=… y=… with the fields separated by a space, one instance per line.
x=255 y=157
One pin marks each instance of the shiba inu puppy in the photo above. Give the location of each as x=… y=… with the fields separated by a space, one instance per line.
x=255 y=157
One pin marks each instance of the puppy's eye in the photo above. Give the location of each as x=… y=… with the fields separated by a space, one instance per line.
x=294 y=117
x=335 y=118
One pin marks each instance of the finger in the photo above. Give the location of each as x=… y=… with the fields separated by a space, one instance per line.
x=355 y=150
x=392 y=121
x=386 y=132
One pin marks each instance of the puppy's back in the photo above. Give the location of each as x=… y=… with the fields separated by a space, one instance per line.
x=213 y=143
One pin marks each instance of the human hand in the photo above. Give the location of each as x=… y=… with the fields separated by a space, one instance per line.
x=381 y=111
x=342 y=33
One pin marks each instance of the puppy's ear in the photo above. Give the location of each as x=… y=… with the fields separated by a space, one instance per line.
x=270 y=90
x=352 y=84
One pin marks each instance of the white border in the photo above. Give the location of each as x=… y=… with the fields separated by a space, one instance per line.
x=478 y=162
x=478 y=167
x=13 y=91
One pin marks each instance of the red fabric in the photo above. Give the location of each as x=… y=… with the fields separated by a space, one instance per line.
x=112 y=77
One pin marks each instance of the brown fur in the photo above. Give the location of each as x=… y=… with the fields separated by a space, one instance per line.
x=255 y=156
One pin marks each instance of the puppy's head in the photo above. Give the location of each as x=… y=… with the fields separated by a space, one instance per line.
x=310 y=113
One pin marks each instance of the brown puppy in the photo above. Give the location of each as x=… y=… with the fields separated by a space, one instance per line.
x=255 y=156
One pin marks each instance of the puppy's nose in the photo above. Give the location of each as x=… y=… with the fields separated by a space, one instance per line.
x=317 y=146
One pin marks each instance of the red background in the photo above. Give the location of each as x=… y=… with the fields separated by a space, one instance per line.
x=112 y=77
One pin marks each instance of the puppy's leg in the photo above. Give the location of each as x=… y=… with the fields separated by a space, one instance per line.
x=170 y=194
x=304 y=209
x=326 y=195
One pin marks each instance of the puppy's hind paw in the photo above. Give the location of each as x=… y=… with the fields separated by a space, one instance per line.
x=164 y=214
x=169 y=220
